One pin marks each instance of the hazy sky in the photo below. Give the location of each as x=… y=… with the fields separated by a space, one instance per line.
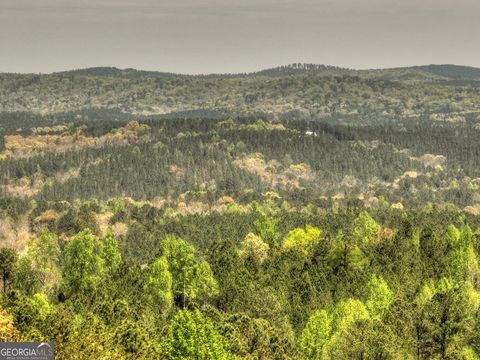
x=205 y=36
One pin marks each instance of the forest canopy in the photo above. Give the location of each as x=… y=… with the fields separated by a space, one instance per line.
x=301 y=212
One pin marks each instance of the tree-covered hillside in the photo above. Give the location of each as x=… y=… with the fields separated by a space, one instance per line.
x=301 y=212
x=310 y=91
x=261 y=283
x=197 y=162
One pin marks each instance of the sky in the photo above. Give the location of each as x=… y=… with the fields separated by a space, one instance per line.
x=230 y=36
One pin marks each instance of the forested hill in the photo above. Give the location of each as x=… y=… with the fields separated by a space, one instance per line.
x=446 y=71
x=453 y=71
x=301 y=90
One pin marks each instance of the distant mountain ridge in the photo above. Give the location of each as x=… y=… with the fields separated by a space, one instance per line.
x=291 y=69
x=299 y=68
x=293 y=91
x=446 y=71
x=455 y=72
x=113 y=71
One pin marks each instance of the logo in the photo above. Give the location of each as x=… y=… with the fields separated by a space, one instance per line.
x=26 y=351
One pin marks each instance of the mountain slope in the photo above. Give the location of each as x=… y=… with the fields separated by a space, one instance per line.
x=455 y=72
x=299 y=90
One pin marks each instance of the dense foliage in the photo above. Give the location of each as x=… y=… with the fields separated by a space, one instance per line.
x=309 y=91
x=302 y=212
x=195 y=164
x=390 y=284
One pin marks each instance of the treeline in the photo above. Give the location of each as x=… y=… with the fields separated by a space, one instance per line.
x=266 y=283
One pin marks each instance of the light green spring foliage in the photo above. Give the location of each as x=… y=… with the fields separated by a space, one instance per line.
x=426 y=293
x=469 y=354
x=457 y=264
x=44 y=254
x=315 y=335
x=442 y=320
x=445 y=285
x=347 y=312
x=234 y=208
x=472 y=266
x=192 y=279
x=83 y=266
x=365 y=228
x=463 y=260
x=379 y=297
x=345 y=315
x=159 y=284
x=266 y=223
x=41 y=305
x=302 y=240
x=453 y=234
x=472 y=295
x=110 y=254
x=203 y=283
x=266 y=228
x=180 y=257
x=463 y=264
x=466 y=235
x=192 y=336
x=322 y=331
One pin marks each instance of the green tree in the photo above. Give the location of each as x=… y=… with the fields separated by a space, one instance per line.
x=379 y=297
x=347 y=312
x=302 y=240
x=159 y=284
x=365 y=228
x=44 y=252
x=266 y=222
x=256 y=338
x=448 y=320
x=453 y=234
x=110 y=254
x=192 y=280
x=204 y=285
x=345 y=256
x=192 y=336
x=462 y=259
x=469 y=354
x=133 y=338
x=315 y=335
x=82 y=266
x=41 y=305
x=366 y=339
x=346 y=315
